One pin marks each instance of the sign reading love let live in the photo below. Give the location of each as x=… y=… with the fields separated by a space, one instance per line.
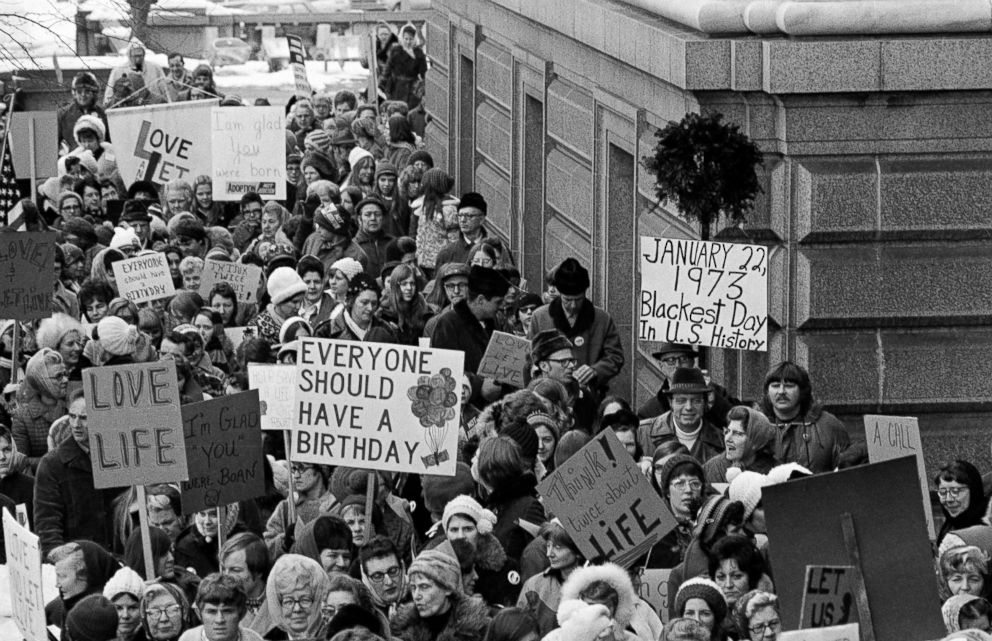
x=505 y=360
x=135 y=424
x=24 y=567
x=27 y=275
x=377 y=406
x=143 y=278
x=604 y=502
x=249 y=152
x=704 y=293
x=890 y=437
x=244 y=279
x=224 y=452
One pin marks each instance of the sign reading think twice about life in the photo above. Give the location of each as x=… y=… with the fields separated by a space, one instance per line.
x=704 y=293
x=828 y=596
x=135 y=424
x=890 y=437
x=24 y=568
x=224 y=452
x=144 y=278
x=249 y=152
x=244 y=279
x=505 y=360
x=377 y=406
x=27 y=275
x=276 y=386
x=604 y=502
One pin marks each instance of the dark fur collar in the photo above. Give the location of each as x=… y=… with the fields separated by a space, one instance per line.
x=468 y=622
x=587 y=315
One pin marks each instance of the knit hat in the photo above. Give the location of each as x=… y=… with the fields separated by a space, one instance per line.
x=668 y=468
x=383 y=168
x=787 y=472
x=189 y=228
x=320 y=162
x=439 y=567
x=333 y=219
x=448 y=270
x=91 y=122
x=546 y=343
x=570 y=443
x=370 y=200
x=705 y=589
x=117 y=336
x=437 y=180
x=464 y=505
x=438 y=491
x=421 y=155
x=284 y=283
x=543 y=419
x=135 y=211
x=525 y=436
x=473 y=199
x=951 y=610
x=713 y=513
x=66 y=195
x=487 y=282
x=343 y=138
x=581 y=621
x=746 y=488
x=44 y=370
x=124 y=238
x=84 y=79
x=81 y=228
x=570 y=278
x=124 y=581
x=348 y=266
x=319 y=139
x=94 y=618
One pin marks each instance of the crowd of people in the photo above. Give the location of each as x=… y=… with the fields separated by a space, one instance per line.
x=371 y=244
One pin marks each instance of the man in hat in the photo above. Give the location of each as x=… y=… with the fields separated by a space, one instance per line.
x=552 y=355
x=472 y=211
x=454 y=278
x=372 y=236
x=671 y=356
x=147 y=78
x=341 y=145
x=136 y=216
x=688 y=395
x=331 y=239
x=469 y=325
x=591 y=330
x=84 y=93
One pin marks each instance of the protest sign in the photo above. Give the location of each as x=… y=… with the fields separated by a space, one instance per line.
x=806 y=517
x=848 y=632
x=135 y=425
x=144 y=278
x=33 y=136
x=890 y=437
x=828 y=596
x=24 y=566
x=276 y=385
x=604 y=502
x=27 y=275
x=704 y=293
x=653 y=588
x=160 y=143
x=244 y=279
x=505 y=360
x=297 y=60
x=249 y=152
x=223 y=451
x=377 y=406
x=236 y=335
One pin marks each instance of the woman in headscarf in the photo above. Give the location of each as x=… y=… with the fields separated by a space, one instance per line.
x=163 y=559
x=295 y=591
x=359 y=321
x=962 y=496
x=756 y=617
x=81 y=568
x=102 y=269
x=165 y=612
x=40 y=401
x=749 y=444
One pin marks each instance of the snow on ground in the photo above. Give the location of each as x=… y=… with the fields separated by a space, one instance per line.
x=35 y=28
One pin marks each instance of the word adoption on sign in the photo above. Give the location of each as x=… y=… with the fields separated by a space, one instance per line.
x=249 y=152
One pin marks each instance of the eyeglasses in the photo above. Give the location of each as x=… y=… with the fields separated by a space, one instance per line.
x=760 y=628
x=677 y=360
x=71 y=207
x=953 y=492
x=289 y=603
x=454 y=287
x=169 y=611
x=300 y=469
x=565 y=361
x=392 y=573
x=684 y=484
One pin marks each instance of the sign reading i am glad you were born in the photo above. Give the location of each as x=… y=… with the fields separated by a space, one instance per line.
x=377 y=406
x=135 y=424
x=704 y=293
x=24 y=568
x=27 y=275
x=143 y=278
x=249 y=152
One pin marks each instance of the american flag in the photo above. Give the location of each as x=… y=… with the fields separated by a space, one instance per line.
x=10 y=195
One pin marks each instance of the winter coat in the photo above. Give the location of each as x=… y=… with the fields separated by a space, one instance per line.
x=337 y=328
x=457 y=251
x=720 y=403
x=330 y=254
x=708 y=444
x=512 y=503
x=66 y=505
x=498 y=580
x=306 y=510
x=541 y=596
x=267 y=325
x=594 y=337
x=815 y=442
x=374 y=247
x=618 y=579
x=432 y=234
x=194 y=551
x=31 y=420
x=467 y=620
x=19 y=488
x=458 y=328
x=402 y=72
x=759 y=450
x=67 y=117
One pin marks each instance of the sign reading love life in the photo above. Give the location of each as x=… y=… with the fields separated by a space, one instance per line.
x=704 y=293
x=377 y=406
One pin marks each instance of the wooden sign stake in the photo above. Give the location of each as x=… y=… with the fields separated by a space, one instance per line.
x=146 y=539
x=860 y=591
x=369 y=498
x=290 y=499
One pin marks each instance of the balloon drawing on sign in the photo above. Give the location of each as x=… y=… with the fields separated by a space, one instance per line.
x=433 y=401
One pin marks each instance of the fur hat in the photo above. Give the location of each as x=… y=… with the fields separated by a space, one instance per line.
x=117 y=336
x=284 y=283
x=423 y=156
x=94 y=618
x=746 y=488
x=705 y=589
x=525 y=437
x=87 y=159
x=91 y=122
x=475 y=200
x=464 y=505
x=190 y=228
x=439 y=490
x=437 y=180
x=581 y=621
x=438 y=566
x=487 y=282
x=52 y=330
x=370 y=200
x=124 y=581
x=348 y=266
x=571 y=278
x=614 y=576
x=547 y=343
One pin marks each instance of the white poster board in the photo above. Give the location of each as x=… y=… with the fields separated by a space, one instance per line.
x=890 y=437
x=249 y=152
x=144 y=278
x=704 y=293
x=24 y=567
x=847 y=632
x=276 y=385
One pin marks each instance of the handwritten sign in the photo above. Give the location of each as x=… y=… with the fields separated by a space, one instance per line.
x=847 y=632
x=38 y=129
x=224 y=452
x=27 y=275
x=377 y=406
x=890 y=437
x=828 y=596
x=276 y=385
x=653 y=588
x=144 y=278
x=160 y=143
x=505 y=360
x=604 y=502
x=704 y=293
x=24 y=566
x=297 y=60
x=249 y=152
x=244 y=279
x=135 y=424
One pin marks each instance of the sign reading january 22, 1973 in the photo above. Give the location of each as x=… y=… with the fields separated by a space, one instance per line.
x=377 y=406
x=704 y=293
